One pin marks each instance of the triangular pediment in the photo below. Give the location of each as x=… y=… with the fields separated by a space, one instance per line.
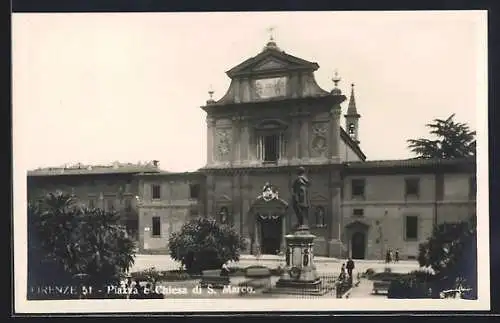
x=270 y=64
x=357 y=225
x=271 y=60
x=223 y=198
x=318 y=197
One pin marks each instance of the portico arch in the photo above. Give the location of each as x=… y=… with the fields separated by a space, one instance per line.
x=270 y=225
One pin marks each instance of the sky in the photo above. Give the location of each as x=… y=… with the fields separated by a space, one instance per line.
x=102 y=87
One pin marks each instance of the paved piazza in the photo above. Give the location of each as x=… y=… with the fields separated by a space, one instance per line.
x=324 y=265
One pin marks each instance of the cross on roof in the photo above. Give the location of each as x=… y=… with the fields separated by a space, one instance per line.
x=270 y=30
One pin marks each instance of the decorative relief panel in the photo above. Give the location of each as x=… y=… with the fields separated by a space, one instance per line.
x=319 y=139
x=223 y=140
x=271 y=87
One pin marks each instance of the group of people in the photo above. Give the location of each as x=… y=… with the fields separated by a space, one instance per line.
x=392 y=256
x=349 y=267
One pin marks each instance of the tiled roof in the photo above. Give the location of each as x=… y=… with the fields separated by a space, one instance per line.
x=410 y=163
x=119 y=168
x=163 y=173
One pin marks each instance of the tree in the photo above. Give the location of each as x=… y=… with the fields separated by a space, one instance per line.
x=451 y=252
x=66 y=240
x=203 y=243
x=454 y=140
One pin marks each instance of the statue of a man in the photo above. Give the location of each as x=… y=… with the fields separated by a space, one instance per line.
x=300 y=197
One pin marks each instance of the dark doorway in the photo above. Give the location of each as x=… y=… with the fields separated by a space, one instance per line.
x=270 y=236
x=358 y=245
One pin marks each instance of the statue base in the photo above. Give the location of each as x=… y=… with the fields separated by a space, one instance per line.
x=300 y=276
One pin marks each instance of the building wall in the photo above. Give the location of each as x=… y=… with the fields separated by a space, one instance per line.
x=174 y=208
x=458 y=199
x=385 y=208
x=103 y=191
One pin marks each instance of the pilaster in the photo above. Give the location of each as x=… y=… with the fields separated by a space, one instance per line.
x=304 y=137
x=335 y=132
x=236 y=144
x=210 y=139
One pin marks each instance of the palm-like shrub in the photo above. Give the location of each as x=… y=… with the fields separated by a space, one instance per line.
x=203 y=243
x=66 y=241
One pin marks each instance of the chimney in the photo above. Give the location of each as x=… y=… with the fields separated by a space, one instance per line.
x=156 y=163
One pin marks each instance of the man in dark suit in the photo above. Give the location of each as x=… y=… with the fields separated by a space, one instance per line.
x=350 y=267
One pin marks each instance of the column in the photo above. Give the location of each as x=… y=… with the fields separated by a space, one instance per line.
x=210 y=139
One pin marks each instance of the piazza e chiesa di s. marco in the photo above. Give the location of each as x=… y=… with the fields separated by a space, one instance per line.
x=274 y=119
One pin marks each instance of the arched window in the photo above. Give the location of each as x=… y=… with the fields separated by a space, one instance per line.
x=351 y=129
x=320 y=216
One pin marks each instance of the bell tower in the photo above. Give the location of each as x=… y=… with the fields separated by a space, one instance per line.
x=352 y=118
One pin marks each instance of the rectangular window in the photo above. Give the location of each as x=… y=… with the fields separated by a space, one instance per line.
x=156 y=226
x=270 y=148
x=472 y=188
x=128 y=205
x=156 y=191
x=194 y=191
x=412 y=187
x=358 y=188
x=358 y=212
x=411 y=227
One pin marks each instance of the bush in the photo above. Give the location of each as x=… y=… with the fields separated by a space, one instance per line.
x=153 y=276
x=416 y=284
x=451 y=252
x=204 y=244
x=69 y=244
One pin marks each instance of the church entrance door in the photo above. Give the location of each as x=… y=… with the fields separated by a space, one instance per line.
x=271 y=234
x=358 y=245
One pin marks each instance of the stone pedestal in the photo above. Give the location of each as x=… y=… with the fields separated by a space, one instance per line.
x=300 y=272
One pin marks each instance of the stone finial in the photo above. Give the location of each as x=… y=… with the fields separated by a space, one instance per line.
x=211 y=94
x=336 y=79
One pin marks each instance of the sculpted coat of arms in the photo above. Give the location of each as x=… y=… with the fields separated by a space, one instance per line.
x=319 y=142
x=269 y=193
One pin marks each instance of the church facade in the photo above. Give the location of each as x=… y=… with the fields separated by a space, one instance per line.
x=274 y=118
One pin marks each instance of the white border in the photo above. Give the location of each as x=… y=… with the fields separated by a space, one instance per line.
x=267 y=305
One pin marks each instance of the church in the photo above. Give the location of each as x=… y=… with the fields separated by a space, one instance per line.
x=273 y=118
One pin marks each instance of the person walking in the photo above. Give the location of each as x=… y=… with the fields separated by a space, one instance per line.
x=350 y=268
x=396 y=256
